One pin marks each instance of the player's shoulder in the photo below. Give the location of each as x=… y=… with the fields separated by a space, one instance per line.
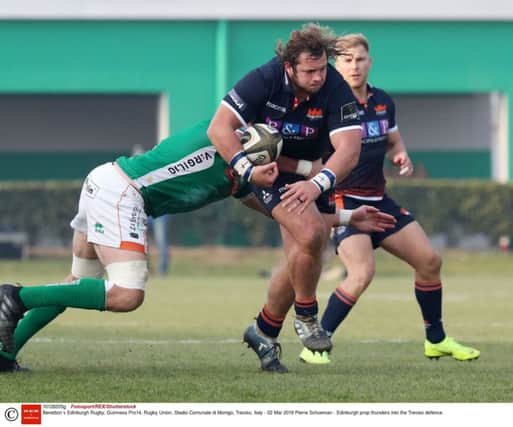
x=264 y=77
x=333 y=78
x=272 y=69
x=380 y=95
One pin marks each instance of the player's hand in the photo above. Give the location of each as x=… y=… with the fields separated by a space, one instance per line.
x=402 y=160
x=368 y=219
x=299 y=195
x=264 y=175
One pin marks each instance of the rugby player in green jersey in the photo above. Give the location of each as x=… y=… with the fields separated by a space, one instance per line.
x=181 y=174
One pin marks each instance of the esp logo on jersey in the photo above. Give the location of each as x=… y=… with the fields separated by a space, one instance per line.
x=349 y=111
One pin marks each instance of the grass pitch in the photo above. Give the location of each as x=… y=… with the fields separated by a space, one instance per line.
x=184 y=343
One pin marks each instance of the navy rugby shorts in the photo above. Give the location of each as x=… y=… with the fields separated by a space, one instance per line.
x=386 y=205
x=270 y=196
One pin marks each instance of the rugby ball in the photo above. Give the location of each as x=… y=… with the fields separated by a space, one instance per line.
x=262 y=143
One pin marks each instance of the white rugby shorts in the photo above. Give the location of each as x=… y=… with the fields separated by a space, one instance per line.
x=111 y=211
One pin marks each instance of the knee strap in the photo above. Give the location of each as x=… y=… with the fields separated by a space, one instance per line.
x=84 y=267
x=128 y=274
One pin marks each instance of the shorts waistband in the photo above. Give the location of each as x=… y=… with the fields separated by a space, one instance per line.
x=126 y=178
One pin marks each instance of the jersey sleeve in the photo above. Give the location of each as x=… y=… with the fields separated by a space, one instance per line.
x=244 y=193
x=392 y=125
x=343 y=110
x=247 y=96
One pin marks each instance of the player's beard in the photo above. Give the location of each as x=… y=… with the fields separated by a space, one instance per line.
x=307 y=91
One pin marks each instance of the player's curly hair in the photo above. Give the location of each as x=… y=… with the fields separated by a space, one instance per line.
x=313 y=39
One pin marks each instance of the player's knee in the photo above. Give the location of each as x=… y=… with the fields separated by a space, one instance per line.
x=361 y=276
x=130 y=278
x=432 y=264
x=313 y=237
x=124 y=300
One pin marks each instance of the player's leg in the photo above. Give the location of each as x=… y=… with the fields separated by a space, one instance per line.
x=305 y=237
x=85 y=264
x=262 y=336
x=116 y=223
x=411 y=245
x=357 y=254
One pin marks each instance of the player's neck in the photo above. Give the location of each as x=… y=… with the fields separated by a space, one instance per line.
x=361 y=93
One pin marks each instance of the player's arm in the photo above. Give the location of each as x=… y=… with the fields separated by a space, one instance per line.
x=239 y=107
x=347 y=144
x=364 y=218
x=304 y=168
x=397 y=153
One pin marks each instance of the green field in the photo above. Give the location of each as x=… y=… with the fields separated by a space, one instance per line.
x=184 y=343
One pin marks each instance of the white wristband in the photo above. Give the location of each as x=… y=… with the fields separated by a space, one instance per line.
x=344 y=216
x=304 y=167
x=241 y=164
x=325 y=180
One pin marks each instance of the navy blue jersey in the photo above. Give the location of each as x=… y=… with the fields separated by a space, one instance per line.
x=265 y=95
x=378 y=120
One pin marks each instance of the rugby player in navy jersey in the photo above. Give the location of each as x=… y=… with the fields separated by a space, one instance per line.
x=302 y=95
x=366 y=185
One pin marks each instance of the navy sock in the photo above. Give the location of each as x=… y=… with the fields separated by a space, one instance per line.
x=270 y=325
x=306 y=307
x=429 y=297
x=339 y=306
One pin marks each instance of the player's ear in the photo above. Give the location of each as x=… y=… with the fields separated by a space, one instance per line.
x=289 y=69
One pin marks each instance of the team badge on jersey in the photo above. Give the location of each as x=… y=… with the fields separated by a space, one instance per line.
x=314 y=113
x=380 y=109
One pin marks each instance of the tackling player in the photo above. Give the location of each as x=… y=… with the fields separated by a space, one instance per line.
x=182 y=173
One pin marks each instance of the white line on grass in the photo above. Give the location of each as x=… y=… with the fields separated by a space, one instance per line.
x=52 y=340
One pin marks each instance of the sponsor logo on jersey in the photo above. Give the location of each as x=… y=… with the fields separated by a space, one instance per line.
x=195 y=162
x=275 y=107
x=349 y=111
x=314 y=113
x=293 y=130
x=91 y=188
x=373 y=129
x=384 y=126
x=266 y=197
x=237 y=100
x=289 y=129
x=380 y=109
x=135 y=222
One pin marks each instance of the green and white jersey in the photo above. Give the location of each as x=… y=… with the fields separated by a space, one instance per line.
x=182 y=173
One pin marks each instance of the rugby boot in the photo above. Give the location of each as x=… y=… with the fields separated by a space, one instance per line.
x=450 y=347
x=11 y=311
x=7 y=365
x=267 y=349
x=311 y=334
x=314 y=357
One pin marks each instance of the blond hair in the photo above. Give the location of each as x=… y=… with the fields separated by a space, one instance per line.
x=349 y=41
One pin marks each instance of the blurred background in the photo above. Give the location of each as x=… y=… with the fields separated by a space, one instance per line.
x=82 y=82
